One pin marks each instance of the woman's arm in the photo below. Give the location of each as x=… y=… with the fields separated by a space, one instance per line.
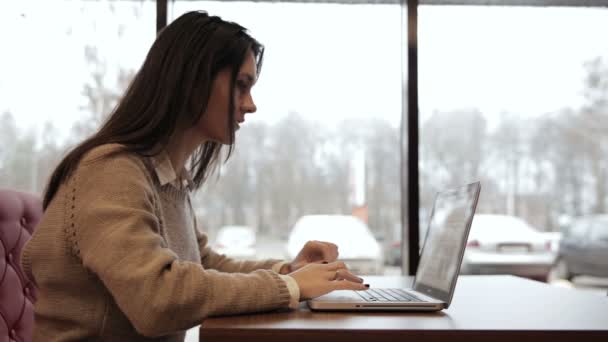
x=117 y=236
x=212 y=260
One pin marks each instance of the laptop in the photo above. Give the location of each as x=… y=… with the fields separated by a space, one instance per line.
x=439 y=266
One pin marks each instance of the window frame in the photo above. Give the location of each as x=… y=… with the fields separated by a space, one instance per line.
x=541 y=3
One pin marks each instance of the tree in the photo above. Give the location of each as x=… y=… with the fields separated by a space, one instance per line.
x=49 y=154
x=8 y=136
x=104 y=88
x=380 y=143
x=594 y=118
x=452 y=146
x=101 y=96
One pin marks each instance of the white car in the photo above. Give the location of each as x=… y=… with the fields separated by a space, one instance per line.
x=236 y=242
x=502 y=244
x=357 y=246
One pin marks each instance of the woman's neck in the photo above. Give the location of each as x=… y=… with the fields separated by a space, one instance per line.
x=181 y=148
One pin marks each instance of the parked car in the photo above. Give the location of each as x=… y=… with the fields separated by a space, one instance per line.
x=583 y=249
x=553 y=239
x=236 y=242
x=356 y=244
x=502 y=244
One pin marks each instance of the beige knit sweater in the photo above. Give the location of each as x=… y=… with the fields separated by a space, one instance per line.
x=117 y=257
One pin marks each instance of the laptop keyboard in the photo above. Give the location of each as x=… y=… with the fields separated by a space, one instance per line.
x=388 y=295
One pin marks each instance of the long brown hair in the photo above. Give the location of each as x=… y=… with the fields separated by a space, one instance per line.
x=171 y=89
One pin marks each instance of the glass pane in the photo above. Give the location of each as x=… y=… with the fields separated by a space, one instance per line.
x=515 y=97
x=325 y=138
x=62 y=73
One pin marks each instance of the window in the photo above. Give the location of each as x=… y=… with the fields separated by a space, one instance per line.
x=63 y=67
x=515 y=97
x=326 y=135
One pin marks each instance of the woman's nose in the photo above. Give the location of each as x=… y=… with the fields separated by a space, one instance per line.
x=249 y=106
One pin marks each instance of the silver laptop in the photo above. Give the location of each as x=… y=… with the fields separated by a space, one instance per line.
x=439 y=266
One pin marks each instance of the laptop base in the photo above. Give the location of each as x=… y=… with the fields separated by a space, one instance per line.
x=347 y=300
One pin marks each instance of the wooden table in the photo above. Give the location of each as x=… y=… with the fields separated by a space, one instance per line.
x=484 y=308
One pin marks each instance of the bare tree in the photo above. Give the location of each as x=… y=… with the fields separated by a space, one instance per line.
x=101 y=96
x=103 y=89
x=452 y=146
x=594 y=118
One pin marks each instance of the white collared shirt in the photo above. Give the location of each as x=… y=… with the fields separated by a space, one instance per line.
x=166 y=173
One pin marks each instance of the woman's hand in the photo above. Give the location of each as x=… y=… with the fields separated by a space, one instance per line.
x=315 y=280
x=312 y=252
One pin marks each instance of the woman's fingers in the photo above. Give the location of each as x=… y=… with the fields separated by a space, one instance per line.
x=330 y=251
x=326 y=251
x=318 y=279
x=332 y=270
x=336 y=265
x=344 y=274
x=348 y=285
x=338 y=271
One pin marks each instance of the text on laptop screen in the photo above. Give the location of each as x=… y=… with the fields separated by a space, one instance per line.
x=440 y=259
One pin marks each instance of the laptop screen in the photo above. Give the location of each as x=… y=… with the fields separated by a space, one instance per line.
x=445 y=242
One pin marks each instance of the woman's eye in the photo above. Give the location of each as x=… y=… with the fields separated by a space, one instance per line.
x=241 y=85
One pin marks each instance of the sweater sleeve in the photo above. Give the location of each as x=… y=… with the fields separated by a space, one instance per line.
x=116 y=234
x=211 y=259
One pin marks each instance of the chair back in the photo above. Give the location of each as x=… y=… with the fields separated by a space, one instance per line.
x=19 y=214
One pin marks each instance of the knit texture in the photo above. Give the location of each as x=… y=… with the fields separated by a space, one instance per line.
x=118 y=257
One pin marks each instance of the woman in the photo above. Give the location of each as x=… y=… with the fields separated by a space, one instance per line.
x=117 y=255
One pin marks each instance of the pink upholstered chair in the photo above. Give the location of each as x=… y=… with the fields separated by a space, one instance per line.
x=19 y=214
